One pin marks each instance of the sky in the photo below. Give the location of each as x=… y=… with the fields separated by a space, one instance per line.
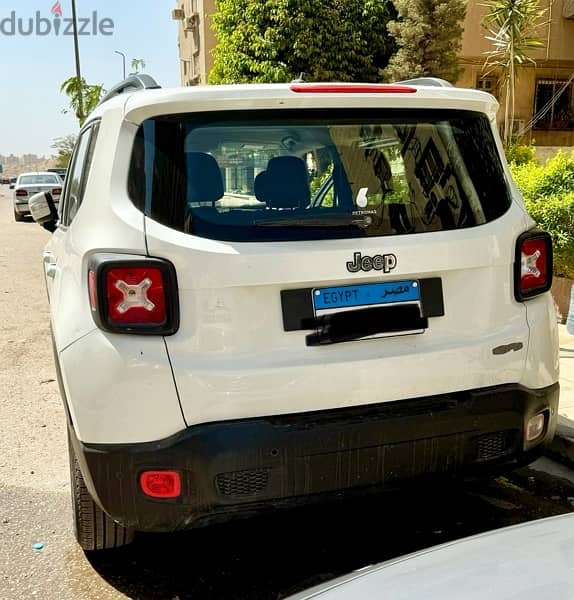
x=32 y=67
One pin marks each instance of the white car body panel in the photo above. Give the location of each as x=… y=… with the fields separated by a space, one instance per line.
x=136 y=400
x=531 y=561
x=232 y=359
x=543 y=359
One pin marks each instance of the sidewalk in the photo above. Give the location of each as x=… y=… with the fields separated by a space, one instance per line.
x=562 y=447
x=566 y=408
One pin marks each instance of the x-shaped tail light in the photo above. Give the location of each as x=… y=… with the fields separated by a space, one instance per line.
x=529 y=266
x=135 y=296
x=533 y=264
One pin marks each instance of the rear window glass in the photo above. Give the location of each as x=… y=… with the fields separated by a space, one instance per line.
x=292 y=175
x=39 y=179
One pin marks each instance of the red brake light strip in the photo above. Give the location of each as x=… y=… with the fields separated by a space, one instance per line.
x=351 y=88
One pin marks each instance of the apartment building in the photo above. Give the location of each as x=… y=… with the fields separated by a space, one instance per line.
x=544 y=109
x=545 y=90
x=196 y=39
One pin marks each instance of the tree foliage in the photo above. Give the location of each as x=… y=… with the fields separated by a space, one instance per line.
x=83 y=97
x=520 y=154
x=275 y=40
x=65 y=146
x=548 y=191
x=138 y=65
x=512 y=26
x=428 y=34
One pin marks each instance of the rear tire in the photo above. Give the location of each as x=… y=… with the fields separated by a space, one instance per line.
x=93 y=528
x=18 y=217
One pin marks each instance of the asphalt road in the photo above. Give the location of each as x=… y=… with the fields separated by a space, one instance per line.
x=265 y=558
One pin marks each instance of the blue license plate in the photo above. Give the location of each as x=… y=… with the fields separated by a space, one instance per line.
x=368 y=294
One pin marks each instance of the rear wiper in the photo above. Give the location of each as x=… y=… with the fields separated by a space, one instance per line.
x=332 y=221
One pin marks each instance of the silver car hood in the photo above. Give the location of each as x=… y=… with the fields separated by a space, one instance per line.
x=531 y=561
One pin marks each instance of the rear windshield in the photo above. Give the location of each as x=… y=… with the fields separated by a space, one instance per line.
x=39 y=179
x=292 y=175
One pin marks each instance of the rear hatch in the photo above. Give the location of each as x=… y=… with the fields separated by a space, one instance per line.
x=331 y=258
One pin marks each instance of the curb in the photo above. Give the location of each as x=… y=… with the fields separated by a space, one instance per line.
x=562 y=446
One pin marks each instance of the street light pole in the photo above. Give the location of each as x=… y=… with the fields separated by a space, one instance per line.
x=80 y=115
x=124 y=60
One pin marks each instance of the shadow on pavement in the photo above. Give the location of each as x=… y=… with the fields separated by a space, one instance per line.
x=273 y=556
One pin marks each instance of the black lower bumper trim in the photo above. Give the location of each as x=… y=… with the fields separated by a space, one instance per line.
x=239 y=467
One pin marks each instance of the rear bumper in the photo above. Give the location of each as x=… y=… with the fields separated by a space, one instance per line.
x=22 y=208
x=244 y=466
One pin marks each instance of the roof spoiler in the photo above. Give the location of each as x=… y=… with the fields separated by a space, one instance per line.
x=133 y=83
x=430 y=81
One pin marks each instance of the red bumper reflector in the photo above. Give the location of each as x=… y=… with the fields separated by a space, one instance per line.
x=351 y=88
x=161 y=484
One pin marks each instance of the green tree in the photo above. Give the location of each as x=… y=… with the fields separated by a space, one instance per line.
x=512 y=26
x=276 y=40
x=548 y=191
x=428 y=34
x=83 y=97
x=138 y=65
x=65 y=146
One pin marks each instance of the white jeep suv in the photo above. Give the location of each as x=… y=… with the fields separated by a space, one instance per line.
x=264 y=294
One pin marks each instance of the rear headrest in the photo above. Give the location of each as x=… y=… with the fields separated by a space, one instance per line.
x=261 y=186
x=285 y=183
x=204 y=180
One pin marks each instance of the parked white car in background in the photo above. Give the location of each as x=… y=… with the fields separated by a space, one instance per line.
x=266 y=293
x=531 y=561
x=29 y=184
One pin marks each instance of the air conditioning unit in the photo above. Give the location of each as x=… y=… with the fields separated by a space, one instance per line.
x=178 y=14
x=191 y=22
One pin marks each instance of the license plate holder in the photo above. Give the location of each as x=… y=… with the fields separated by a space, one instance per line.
x=337 y=299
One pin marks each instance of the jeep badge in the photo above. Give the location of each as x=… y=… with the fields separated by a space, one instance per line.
x=379 y=262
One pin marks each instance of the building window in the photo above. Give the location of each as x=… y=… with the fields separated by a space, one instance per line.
x=487 y=84
x=554 y=104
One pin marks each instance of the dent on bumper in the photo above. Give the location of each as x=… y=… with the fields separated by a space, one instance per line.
x=239 y=466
